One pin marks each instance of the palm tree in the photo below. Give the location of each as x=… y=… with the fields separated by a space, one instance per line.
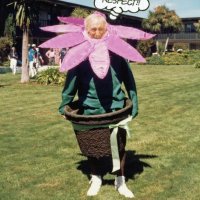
x=25 y=15
x=163 y=20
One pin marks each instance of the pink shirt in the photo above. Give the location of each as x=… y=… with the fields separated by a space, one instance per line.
x=50 y=54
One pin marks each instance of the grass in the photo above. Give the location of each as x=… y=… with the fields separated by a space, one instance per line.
x=40 y=158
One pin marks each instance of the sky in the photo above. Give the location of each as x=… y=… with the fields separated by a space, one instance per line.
x=183 y=8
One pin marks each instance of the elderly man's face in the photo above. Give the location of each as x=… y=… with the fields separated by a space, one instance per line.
x=96 y=29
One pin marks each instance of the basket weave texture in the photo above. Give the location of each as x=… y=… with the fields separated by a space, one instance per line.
x=72 y=114
x=95 y=142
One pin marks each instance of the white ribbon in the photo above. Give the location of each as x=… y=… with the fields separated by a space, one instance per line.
x=113 y=141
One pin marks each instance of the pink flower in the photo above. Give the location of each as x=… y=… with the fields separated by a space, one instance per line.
x=82 y=46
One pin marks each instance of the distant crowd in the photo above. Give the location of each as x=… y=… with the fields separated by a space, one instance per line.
x=35 y=59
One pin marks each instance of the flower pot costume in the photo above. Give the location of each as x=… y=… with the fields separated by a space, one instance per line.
x=96 y=70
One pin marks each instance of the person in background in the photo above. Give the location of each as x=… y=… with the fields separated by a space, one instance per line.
x=62 y=54
x=38 y=59
x=51 y=56
x=31 y=59
x=13 y=56
x=29 y=47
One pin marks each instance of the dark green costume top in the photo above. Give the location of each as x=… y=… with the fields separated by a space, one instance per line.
x=98 y=96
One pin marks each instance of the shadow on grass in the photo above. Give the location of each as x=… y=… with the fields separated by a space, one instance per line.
x=2 y=86
x=133 y=165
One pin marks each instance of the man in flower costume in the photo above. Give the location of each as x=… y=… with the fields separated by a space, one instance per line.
x=96 y=69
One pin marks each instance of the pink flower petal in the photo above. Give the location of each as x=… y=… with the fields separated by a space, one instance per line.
x=100 y=60
x=72 y=20
x=122 y=48
x=131 y=33
x=75 y=56
x=62 y=28
x=65 y=40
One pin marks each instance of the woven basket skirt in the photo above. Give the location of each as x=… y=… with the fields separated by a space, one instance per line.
x=95 y=142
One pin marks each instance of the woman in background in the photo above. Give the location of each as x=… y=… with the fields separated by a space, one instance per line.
x=13 y=56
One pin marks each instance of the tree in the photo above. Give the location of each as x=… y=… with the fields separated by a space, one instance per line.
x=10 y=29
x=163 y=20
x=197 y=26
x=25 y=15
x=5 y=43
x=80 y=12
x=144 y=47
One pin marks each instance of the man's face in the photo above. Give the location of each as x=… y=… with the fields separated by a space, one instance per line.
x=96 y=29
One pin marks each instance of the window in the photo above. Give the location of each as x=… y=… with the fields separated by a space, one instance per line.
x=44 y=18
x=188 y=28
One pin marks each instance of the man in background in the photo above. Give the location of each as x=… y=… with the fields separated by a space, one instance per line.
x=51 y=56
x=31 y=59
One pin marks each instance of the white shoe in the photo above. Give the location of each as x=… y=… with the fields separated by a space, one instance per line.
x=96 y=183
x=120 y=185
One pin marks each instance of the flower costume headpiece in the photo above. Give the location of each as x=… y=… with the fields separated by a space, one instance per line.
x=82 y=45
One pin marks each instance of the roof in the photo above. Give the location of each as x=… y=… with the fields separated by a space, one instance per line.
x=66 y=2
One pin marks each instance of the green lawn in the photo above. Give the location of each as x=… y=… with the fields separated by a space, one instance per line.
x=40 y=158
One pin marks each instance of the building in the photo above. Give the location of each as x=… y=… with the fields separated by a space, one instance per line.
x=188 y=37
x=48 y=11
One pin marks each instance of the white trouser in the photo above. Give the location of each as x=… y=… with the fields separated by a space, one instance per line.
x=32 y=69
x=37 y=65
x=13 y=65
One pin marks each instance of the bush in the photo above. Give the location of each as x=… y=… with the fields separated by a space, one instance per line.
x=175 y=58
x=184 y=58
x=161 y=48
x=183 y=46
x=194 y=55
x=197 y=64
x=155 y=60
x=144 y=47
x=51 y=76
x=6 y=63
x=5 y=44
